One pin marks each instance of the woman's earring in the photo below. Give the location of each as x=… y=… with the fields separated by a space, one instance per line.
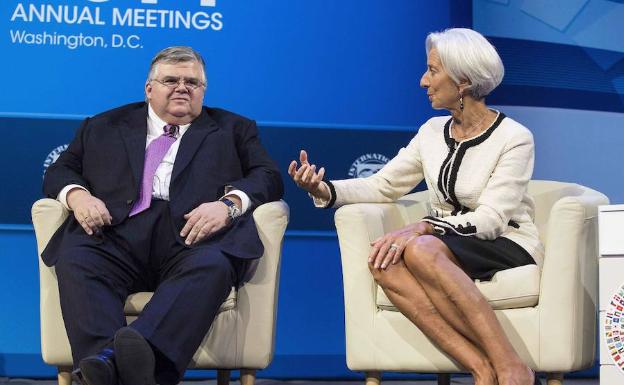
x=461 y=102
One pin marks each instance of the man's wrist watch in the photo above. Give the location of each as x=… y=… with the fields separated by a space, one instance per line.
x=233 y=210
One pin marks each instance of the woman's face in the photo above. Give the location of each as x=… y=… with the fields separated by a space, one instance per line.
x=442 y=91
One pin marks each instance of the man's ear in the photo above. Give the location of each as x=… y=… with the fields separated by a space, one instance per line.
x=148 y=90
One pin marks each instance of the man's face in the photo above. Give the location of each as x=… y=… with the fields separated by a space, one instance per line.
x=176 y=103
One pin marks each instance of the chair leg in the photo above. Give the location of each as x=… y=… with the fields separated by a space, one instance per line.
x=64 y=376
x=444 y=379
x=373 y=378
x=554 y=378
x=223 y=377
x=247 y=376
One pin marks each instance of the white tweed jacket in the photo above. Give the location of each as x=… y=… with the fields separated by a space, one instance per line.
x=477 y=187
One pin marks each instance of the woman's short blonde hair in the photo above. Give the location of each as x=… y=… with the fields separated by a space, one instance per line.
x=467 y=56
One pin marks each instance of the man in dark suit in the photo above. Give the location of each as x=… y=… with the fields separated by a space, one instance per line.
x=162 y=194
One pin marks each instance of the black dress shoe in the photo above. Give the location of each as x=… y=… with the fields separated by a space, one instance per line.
x=98 y=369
x=134 y=358
x=537 y=381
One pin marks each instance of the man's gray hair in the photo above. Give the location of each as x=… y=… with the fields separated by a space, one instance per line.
x=467 y=55
x=177 y=54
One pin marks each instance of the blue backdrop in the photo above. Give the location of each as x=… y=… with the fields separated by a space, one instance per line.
x=324 y=75
x=277 y=61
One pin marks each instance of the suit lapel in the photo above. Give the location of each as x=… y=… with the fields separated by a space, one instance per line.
x=191 y=141
x=134 y=134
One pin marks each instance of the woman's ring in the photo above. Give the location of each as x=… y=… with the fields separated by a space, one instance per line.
x=394 y=246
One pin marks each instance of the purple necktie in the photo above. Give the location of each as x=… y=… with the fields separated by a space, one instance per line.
x=154 y=154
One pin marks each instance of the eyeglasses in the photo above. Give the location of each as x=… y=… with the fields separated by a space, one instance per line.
x=174 y=82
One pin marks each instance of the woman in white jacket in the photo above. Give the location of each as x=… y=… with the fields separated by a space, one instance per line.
x=477 y=164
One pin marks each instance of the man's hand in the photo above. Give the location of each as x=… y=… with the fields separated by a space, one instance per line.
x=88 y=210
x=205 y=220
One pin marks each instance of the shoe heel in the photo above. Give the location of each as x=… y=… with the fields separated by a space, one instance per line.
x=76 y=376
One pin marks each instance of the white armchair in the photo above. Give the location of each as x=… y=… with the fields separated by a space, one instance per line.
x=549 y=315
x=242 y=335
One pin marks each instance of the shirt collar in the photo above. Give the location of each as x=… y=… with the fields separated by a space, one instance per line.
x=158 y=123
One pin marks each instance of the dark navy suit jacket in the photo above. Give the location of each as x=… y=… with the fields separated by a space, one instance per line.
x=220 y=148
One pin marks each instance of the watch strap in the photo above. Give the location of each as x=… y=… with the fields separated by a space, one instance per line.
x=233 y=210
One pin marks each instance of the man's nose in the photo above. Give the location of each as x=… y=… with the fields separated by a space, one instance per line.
x=181 y=87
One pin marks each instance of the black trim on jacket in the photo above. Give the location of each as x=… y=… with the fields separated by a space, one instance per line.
x=449 y=170
x=332 y=192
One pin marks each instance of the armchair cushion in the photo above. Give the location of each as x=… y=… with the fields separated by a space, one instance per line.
x=137 y=301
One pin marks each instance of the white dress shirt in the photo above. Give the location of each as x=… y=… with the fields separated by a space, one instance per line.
x=162 y=176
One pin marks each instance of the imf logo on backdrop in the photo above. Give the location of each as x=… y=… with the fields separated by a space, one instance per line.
x=53 y=156
x=367 y=165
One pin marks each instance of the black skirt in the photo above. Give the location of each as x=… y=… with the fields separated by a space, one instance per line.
x=481 y=259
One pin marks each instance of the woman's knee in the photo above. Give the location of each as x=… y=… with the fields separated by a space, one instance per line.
x=425 y=254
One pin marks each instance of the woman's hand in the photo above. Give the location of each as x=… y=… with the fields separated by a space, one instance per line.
x=389 y=248
x=307 y=178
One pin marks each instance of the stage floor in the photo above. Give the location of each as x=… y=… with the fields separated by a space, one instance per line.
x=454 y=380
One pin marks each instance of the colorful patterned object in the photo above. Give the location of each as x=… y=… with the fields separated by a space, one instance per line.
x=614 y=328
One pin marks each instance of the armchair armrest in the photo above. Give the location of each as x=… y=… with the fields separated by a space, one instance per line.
x=47 y=215
x=414 y=206
x=257 y=298
x=569 y=282
x=357 y=226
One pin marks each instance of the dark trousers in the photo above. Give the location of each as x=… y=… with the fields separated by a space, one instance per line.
x=96 y=275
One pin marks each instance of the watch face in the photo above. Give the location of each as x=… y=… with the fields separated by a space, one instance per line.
x=233 y=210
